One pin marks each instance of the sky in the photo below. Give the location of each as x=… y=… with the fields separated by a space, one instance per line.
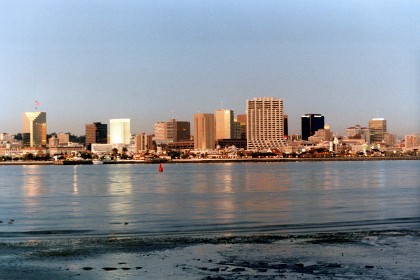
x=86 y=61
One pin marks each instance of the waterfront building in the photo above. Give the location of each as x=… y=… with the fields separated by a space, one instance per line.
x=286 y=126
x=141 y=142
x=204 y=131
x=34 y=129
x=412 y=142
x=358 y=132
x=241 y=119
x=320 y=135
x=377 y=128
x=172 y=131
x=96 y=133
x=224 y=124
x=63 y=138
x=265 y=123
x=310 y=124
x=120 y=131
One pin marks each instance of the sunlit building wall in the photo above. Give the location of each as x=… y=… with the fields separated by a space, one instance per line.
x=204 y=131
x=265 y=123
x=96 y=133
x=34 y=129
x=119 y=131
x=224 y=124
x=377 y=128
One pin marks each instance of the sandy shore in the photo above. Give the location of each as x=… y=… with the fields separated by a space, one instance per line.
x=363 y=255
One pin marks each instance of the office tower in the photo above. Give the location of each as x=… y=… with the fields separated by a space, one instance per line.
x=34 y=129
x=172 y=131
x=96 y=133
x=310 y=124
x=224 y=124
x=286 y=126
x=119 y=130
x=204 y=131
x=377 y=128
x=141 y=142
x=265 y=123
x=241 y=119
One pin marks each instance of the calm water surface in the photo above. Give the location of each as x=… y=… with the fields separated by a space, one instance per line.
x=205 y=198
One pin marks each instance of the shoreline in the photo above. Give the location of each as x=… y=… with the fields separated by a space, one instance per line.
x=361 y=255
x=241 y=160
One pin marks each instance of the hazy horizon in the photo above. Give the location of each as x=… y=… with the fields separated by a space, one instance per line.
x=150 y=61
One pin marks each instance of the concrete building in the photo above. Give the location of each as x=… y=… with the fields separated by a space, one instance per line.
x=34 y=129
x=204 y=131
x=120 y=131
x=265 y=125
x=320 y=135
x=141 y=142
x=224 y=124
x=172 y=131
x=358 y=132
x=310 y=124
x=377 y=128
x=96 y=133
x=412 y=142
x=63 y=138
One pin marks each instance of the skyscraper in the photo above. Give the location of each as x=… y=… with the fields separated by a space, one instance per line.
x=120 y=131
x=310 y=124
x=265 y=123
x=96 y=133
x=204 y=131
x=34 y=129
x=224 y=124
x=377 y=128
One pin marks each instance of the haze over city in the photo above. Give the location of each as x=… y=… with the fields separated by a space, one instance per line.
x=149 y=61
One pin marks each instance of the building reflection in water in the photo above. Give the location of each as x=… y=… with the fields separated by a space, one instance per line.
x=120 y=190
x=33 y=180
x=75 y=179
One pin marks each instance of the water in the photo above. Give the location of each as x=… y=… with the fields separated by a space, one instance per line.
x=208 y=198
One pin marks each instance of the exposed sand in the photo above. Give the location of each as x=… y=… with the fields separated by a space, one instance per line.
x=385 y=255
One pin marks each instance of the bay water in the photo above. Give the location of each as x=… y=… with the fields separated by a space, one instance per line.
x=207 y=198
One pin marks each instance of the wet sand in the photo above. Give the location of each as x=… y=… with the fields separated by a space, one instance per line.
x=341 y=255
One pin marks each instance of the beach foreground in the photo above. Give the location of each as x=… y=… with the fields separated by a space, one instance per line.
x=341 y=255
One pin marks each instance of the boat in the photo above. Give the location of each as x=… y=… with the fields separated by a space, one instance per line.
x=97 y=161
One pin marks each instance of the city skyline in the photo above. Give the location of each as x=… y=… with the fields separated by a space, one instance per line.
x=151 y=62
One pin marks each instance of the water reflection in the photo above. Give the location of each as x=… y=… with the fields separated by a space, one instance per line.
x=75 y=181
x=33 y=180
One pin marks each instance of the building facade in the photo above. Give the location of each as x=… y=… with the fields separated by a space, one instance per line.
x=96 y=133
x=204 y=131
x=224 y=124
x=377 y=128
x=119 y=130
x=265 y=126
x=34 y=129
x=172 y=131
x=310 y=124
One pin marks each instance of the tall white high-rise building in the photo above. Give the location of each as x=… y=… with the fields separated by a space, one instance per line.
x=34 y=129
x=265 y=126
x=224 y=124
x=119 y=130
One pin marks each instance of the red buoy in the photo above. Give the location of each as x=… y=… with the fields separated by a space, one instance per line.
x=160 y=167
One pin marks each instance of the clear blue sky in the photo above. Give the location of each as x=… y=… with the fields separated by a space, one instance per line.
x=87 y=61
